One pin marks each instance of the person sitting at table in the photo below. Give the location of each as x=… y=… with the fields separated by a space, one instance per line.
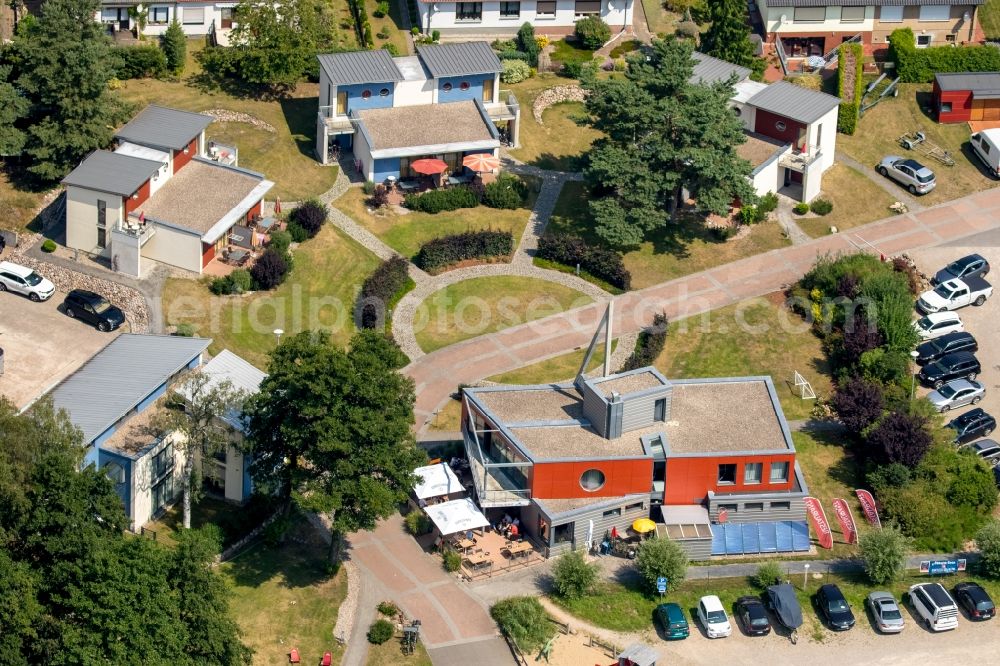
x=513 y=533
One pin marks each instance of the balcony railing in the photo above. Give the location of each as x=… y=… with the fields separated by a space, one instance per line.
x=142 y=231
x=507 y=109
x=497 y=483
x=334 y=123
x=223 y=154
x=800 y=161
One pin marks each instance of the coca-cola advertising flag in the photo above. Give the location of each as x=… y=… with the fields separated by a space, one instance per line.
x=846 y=520
x=868 y=507
x=819 y=522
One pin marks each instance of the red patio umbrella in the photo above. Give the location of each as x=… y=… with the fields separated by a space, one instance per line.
x=429 y=166
x=481 y=162
x=277 y=206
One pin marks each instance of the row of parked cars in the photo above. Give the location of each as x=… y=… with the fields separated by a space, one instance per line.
x=931 y=603
x=81 y=304
x=948 y=354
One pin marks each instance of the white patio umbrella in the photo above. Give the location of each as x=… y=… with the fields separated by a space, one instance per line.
x=436 y=480
x=456 y=516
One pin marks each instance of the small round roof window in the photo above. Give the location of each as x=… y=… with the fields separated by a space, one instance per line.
x=465 y=85
x=366 y=94
x=446 y=87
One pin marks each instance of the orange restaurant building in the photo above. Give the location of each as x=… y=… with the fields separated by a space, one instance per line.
x=710 y=460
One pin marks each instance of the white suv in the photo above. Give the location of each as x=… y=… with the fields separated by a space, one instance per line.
x=25 y=281
x=934 y=606
x=713 y=617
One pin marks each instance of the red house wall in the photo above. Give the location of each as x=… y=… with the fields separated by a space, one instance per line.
x=961 y=105
x=764 y=123
x=180 y=159
x=561 y=480
x=207 y=253
x=132 y=204
x=256 y=210
x=689 y=479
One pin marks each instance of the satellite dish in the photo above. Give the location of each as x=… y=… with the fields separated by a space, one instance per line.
x=434 y=7
x=784 y=19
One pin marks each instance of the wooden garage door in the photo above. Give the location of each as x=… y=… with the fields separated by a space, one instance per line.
x=978 y=105
x=991 y=109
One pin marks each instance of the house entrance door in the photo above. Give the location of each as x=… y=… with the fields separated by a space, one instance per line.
x=488 y=91
x=226 y=17
x=341 y=102
x=123 y=18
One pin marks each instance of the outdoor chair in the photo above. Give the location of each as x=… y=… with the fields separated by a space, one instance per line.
x=327 y=659
x=293 y=656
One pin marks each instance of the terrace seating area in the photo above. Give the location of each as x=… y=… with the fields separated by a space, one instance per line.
x=489 y=553
x=243 y=245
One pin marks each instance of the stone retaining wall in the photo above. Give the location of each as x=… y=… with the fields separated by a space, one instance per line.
x=556 y=95
x=227 y=116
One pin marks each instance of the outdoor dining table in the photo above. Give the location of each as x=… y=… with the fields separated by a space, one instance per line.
x=266 y=223
x=408 y=185
x=521 y=548
x=237 y=256
x=465 y=544
x=477 y=560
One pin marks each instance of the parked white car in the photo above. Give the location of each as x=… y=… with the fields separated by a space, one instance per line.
x=22 y=280
x=986 y=146
x=955 y=294
x=956 y=393
x=713 y=617
x=937 y=324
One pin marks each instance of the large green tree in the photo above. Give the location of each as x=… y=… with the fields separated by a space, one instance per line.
x=174 y=46
x=330 y=430
x=13 y=109
x=65 y=67
x=728 y=37
x=664 y=135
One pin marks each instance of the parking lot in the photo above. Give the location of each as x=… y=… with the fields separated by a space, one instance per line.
x=983 y=322
x=41 y=345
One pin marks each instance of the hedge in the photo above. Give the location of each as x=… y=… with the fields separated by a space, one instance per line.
x=600 y=262
x=447 y=250
x=436 y=201
x=378 y=291
x=507 y=192
x=362 y=26
x=850 y=112
x=139 y=62
x=651 y=342
x=915 y=65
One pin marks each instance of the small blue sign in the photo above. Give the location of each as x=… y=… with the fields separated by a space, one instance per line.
x=661 y=584
x=941 y=567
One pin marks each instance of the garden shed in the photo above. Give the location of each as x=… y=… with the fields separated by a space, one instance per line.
x=965 y=96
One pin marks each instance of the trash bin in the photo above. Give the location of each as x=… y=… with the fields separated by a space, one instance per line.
x=1 y=361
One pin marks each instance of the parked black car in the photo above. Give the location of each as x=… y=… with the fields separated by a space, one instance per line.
x=753 y=616
x=971 y=425
x=974 y=600
x=968 y=266
x=960 y=365
x=932 y=350
x=93 y=309
x=834 y=608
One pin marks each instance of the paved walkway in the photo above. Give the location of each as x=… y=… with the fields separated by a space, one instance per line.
x=888 y=185
x=788 y=223
x=437 y=374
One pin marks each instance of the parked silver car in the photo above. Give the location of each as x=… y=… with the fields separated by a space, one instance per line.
x=956 y=393
x=885 y=610
x=909 y=173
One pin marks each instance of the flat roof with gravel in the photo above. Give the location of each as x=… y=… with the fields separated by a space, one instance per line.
x=564 y=505
x=199 y=195
x=557 y=403
x=626 y=384
x=137 y=433
x=758 y=149
x=425 y=125
x=577 y=441
x=722 y=416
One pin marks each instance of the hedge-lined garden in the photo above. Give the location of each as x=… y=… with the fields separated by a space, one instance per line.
x=849 y=86
x=483 y=245
x=572 y=251
x=861 y=308
x=507 y=192
x=915 y=65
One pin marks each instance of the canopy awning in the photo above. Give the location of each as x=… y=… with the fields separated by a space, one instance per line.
x=456 y=516
x=436 y=480
x=686 y=522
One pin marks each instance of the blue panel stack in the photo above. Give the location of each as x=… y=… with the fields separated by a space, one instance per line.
x=768 y=538
x=783 y=537
x=734 y=540
x=718 y=539
x=800 y=535
x=751 y=537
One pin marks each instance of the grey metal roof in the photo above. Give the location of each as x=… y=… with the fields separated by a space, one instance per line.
x=978 y=82
x=639 y=654
x=112 y=172
x=120 y=376
x=360 y=67
x=795 y=102
x=161 y=127
x=241 y=375
x=865 y=3
x=459 y=59
x=709 y=70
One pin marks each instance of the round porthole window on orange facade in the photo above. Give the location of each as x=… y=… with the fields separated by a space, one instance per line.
x=592 y=480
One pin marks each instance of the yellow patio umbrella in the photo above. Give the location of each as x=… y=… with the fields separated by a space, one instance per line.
x=643 y=525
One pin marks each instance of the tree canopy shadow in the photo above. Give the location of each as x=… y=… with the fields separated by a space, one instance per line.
x=300 y=116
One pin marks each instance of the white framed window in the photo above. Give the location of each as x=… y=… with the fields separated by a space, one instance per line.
x=510 y=10
x=753 y=472
x=109 y=15
x=159 y=15
x=852 y=14
x=545 y=9
x=468 y=11
x=923 y=41
x=779 y=472
x=194 y=16
x=809 y=15
x=935 y=12
x=890 y=14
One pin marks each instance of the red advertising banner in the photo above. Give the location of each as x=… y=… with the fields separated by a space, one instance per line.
x=819 y=522
x=869 y=508
x=846 y=520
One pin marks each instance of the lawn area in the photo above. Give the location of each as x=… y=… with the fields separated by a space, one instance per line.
x=569 y=51
x=234 y=522
x=285 y=156
x=882 y=125
x=856 y=200
x=391 y=23
x=390 y=653
x=449 y=419
x=558 y=369
x=688 y=248
x=560 y=142
x=989 y=18
x=282 y=597
x=318 y=293
x=755 y=337
x=17 y=205
x=661 y=20
x=485 y=305
x=406 y=232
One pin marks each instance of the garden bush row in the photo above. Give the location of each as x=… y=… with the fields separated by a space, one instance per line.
x=849 y=113
x=362 y=25
x=379 y=291
x=139 y=62
x=447 y=250
x=506 y=192
x=571 y=250
x=651 y=342
x=915 y=65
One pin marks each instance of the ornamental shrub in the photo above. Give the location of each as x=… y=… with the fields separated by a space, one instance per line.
x=573 y=576
x=237 y=282
x=383 y=33
x=766 y=575
x=310 y=215
x=380 y=197
x=884 y=553
x=768 y=203
x=601 y=262
x=377 y=293
x=270 y=270
x=297 y=232
x=661 y=557
x=515 y=71
x=592 y=32
x=801 y=208
x=988 y=543
x=650 y=343
x=139 y=62
x=381 y=10
x=417 y=523
x=506 y=192
x=452 y=561
x=49 y=246
x=527 y=44
x=279 y=242
x=436 y=201
x=380 y=632
x=524 y=620
x=388 y=608
x=439 y=253
x=184 y=330
x=435 y=36
x=849 y=113
x=821 y=206
x=174 y=45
